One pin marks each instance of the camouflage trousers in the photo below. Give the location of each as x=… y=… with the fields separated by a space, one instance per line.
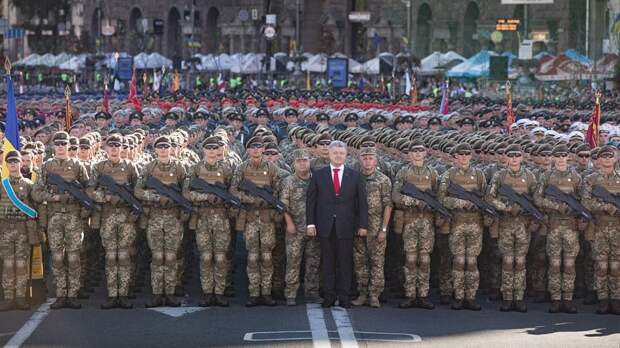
x=537 y=260
x=607 y=251
x=302 y=248
x=164 y=233
x=212 y=239
x=418 y=241
x=279 y=259
x=15 y=254
x=118 y=234
x=64 y=230
x=562 y=249
x=368 y=261
x=465 y=244
x=260 y=239
x=513 y=242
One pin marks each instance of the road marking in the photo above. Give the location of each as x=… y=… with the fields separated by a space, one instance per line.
x=320 y=337
x=177 y=312
x=300 y=335
x=35 y=320
x=345 y=330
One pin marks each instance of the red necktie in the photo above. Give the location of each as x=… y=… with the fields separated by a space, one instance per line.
x=336 y=182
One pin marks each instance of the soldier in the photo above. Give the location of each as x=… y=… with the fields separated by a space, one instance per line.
x=65 y=226
x=607 y=235
x=165 y=228
x=369 y=251
x=17 y=235
x=322 y=142
x=563 y=234
x=298 y=245
x=419 y=226
x=213 y=227
x=465 y=239
x=259 y=228
x=117 y=222
x=514 y=236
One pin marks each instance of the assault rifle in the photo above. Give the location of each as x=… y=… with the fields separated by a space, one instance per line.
x=264 y=193
x=523 y=200
x=72 y=188
x=171 y=191
x=604 y=195
x=556 y=194
x=217 y=189
x=122 y=191
x=474 y=197
x=427 y=197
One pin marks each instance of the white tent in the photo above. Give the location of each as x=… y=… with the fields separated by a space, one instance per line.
x=435 y=62
x=76 y=63
x=61 y=58
x=27 y=60
x=315 y=64
x=250 y=63
x=151 y=61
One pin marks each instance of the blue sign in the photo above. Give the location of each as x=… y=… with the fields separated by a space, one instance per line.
x=124 y=68
x=14 y=33
x=338 y=72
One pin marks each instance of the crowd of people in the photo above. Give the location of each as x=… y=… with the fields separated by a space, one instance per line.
x=255 y=152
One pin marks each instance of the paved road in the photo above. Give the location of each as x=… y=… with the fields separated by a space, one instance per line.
x=305 y=326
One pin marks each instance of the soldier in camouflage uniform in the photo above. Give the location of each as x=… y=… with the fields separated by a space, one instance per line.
x=607 y=232
x=18 y=233
x=465 y=239
x=563 y=234
x=259 y=227
x=165 y=227
x=419 y=226
x=64 y=226
x=212 y=227
x=369 y=251
x=321 y=145
x=298 y=245
x=514 y=235
x=117 y=222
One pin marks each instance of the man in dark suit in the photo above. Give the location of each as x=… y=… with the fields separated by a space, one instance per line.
x=336 y=208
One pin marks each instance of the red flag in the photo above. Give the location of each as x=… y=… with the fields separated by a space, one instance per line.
x=106 y=98
x=510 y=115
x=68 y=109
x=595 y=123
x=133 y=93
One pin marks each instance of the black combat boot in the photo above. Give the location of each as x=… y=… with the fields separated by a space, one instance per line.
x=59 y=303
x=220 y=300
x=156 y=301
x=112 y=302
x=555 y=307
x=457 y=304
x=569 y=307
x=425 y=303
x=268 y=301
x=408 y=303
x=7 y=305
x=171 y=301
x=207 y=300
x=72 y=303
x=506 y=306
x=123 y=302
x=603 y=307
x=472 y=305
x=252 y=301
x=520 y=306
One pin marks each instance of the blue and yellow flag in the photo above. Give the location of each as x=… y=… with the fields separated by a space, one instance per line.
x=10 y=143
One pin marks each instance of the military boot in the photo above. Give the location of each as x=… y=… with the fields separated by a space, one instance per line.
x=220 y=300
x=207 y=300
x=408 y=303
x=374 y=302
x=59 y=303
x=457 y=304
x=268 y=301
x=171 y=301
x=112 y=302
x=425 y=303
x=603 y=307
x=21 y=304
x=7 y=305
x=472 y=305
x=569 y=307
x=156 y=301
x=72 y=303
x=506 y=306
x=123 y=302
x=252 y=301
x=555 y=307
x=360 y=300
x=520 y=306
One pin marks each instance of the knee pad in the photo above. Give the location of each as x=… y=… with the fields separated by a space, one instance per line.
x=601 y=268
x=158 y=259
x=425 y=262
x=614 y=268
x=124 y=258
x=555 y=264
x=459 y=263
x=170 y=257
x=472 y=264
x=220 y=258
x=73 y=259
x=411 y=261
x=252 y=257
x=110 y=258
x=520 y=263
x=58 y=260
x=8 y=262
x=206 y=257
x=266 y=257
x=21 y=266
x=508 y=261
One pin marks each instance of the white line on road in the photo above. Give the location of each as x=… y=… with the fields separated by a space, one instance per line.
x=35 y=320
x=345 y=330
x=320 y=337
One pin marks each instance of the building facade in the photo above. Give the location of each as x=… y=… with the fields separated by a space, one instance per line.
x=182 y=27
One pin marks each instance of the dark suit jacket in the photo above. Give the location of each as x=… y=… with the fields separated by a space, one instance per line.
x=350 y=208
